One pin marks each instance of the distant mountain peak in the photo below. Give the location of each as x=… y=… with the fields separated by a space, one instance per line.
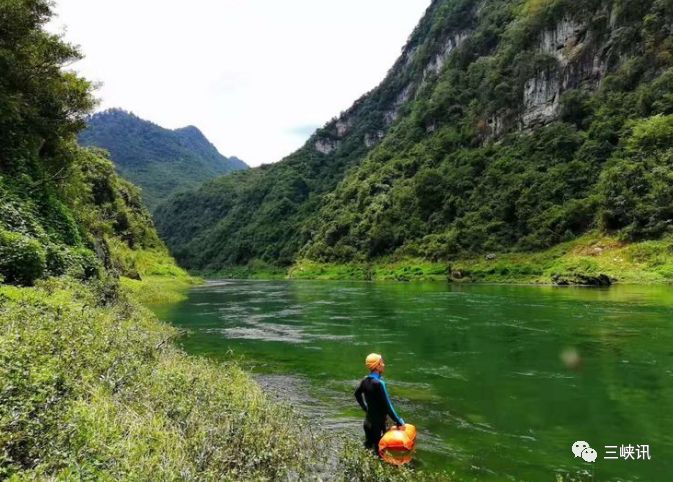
x=190 y=131
x=161 y=161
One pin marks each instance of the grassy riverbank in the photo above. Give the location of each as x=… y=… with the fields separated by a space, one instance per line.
x=92 y=387
x=577 y=262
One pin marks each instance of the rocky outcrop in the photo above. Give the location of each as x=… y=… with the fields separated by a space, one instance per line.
x=541 y=98
x=450 y=44
x=372 y=139
x=577 y=62
x=402 y=98
x=578 y=279
x=326 y=146
x=343 y=126
x=336 y=133
x=562 y=40
x=497 y=125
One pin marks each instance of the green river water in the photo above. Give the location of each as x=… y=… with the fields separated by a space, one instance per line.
x=499 y=380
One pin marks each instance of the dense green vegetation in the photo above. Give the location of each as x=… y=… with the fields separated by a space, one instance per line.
x=92 y=388
x=592 y=259
x=547 y=120
x=91 y=385
x=160 y=161
x=61 y=205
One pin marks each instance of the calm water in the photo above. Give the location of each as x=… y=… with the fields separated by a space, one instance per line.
x=478 y=369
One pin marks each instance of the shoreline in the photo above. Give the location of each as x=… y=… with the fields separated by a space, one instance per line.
x=593 y=260
x=111 y=418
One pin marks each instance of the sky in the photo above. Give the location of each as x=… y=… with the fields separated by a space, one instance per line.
x=256 y=76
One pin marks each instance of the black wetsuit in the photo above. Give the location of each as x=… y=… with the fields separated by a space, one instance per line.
x=372 y=396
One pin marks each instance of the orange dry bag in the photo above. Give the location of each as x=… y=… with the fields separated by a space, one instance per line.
x=397 y=445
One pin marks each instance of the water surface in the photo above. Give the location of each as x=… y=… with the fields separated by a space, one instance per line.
x=499 y=380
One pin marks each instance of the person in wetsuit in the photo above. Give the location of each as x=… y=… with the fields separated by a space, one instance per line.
x=372 y=395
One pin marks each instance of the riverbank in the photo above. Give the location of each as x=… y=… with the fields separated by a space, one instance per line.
x=590 y=260
x=92 y=386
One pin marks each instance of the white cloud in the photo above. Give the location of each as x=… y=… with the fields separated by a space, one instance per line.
x=253 y=75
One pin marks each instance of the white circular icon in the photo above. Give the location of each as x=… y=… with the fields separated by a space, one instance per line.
x=589 y=455
x=578 y=447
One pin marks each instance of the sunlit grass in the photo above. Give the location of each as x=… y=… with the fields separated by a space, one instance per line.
x=648 y=262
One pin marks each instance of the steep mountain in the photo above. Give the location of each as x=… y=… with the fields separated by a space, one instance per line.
x=160 y=161
x=504 y=126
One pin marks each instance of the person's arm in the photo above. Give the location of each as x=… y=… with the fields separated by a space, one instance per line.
x=389 y=406
x=359 y=396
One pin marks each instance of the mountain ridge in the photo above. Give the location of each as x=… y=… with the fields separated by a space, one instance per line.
x=161 y=161
x=503 y=126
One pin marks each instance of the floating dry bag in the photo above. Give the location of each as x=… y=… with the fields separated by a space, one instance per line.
x=397 y=445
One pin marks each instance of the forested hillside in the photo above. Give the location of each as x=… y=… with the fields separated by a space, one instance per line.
x=504 y=126
x=64 y=209
x=160 y=161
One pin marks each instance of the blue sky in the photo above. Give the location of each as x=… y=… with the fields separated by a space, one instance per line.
x=256 y=76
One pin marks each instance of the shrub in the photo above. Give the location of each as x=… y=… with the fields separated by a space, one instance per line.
x=93 y=389
x=22 y=259
x=86 y=264
x=56 y=259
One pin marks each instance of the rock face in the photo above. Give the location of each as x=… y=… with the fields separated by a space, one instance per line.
x=541 y=98
x=391 y=115
x=563 y=39
x=450 y=44
x=326 y=146
x=372 y=139
x=582 y=280
x=497 y=125
x=577 y=62
x=343 y=126
x=400 y=88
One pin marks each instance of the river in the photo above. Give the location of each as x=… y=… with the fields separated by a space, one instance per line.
x=499 y=380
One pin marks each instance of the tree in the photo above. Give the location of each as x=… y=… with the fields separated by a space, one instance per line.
x=41 y=105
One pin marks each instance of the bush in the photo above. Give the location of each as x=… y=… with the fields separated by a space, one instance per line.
x=86 y=265
x=360 y=465
x=57 y=259
x=22 y=259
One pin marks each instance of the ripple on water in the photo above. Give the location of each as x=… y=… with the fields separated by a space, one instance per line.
x=542 y=374
x=444 y=371
x=284 y=334
x=254 y=328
